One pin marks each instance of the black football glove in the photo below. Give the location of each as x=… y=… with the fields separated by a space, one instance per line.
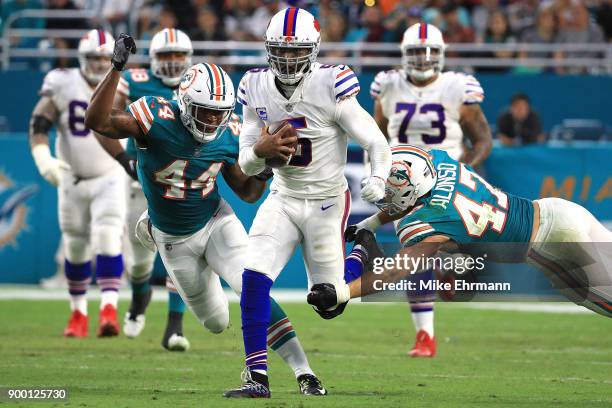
x=323 y=297
x=350 y=233
x=124 y=46
x=265 y=175
x=128 y=162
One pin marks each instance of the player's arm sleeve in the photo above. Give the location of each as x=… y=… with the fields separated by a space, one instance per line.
x=143 y=114
x=411 y=232
x=362 y=128
x=249 y=133
x=52 y=83
x=345 y=83
x=377 y=87
x=471 y=91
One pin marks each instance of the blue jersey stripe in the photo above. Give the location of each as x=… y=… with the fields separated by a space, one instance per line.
x=242 y=101
x=343 y=80
x=356 y=85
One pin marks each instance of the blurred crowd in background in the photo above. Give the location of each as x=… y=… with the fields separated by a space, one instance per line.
x=461 y=21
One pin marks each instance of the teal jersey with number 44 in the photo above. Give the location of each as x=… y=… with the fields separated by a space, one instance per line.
x=136 y=83
x=178 y=174
x=464 y=207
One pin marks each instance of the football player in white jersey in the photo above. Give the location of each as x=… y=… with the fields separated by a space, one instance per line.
x=170 y=52
x=309 y=201
x=422 y=106
x=90 y=183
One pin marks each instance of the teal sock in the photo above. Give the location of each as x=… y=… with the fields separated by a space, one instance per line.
x=141 y=287
x=280 y=329
x=175 y=303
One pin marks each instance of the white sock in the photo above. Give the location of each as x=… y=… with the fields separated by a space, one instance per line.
x=79 y=302
x=109 y=297
x=264 y=372
x=424 y=321
x=293 y=354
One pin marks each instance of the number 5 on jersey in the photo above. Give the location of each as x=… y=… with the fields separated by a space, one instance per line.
x=173 y=176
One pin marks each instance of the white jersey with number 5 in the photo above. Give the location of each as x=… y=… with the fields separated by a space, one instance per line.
x=75 y=144
x=427 y=116
x=317 y=169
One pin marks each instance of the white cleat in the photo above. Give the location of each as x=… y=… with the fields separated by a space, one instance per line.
x=178 y=343
x=133 y=328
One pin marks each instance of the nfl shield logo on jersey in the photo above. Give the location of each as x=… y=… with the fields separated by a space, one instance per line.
x=261 y=112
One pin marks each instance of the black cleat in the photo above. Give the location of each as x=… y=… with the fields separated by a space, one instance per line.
x=255 y=385
x=310 y=385
x=173 y=339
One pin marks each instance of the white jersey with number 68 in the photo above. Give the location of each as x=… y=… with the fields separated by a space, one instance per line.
x=75 y=144
x=428 y=116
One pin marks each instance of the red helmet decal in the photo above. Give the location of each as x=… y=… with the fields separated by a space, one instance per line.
x=317 y=26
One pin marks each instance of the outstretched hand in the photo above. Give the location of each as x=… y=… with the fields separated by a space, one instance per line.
x=124 y=46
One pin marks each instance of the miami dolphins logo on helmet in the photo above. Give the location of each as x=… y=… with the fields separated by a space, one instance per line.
x=400 y=174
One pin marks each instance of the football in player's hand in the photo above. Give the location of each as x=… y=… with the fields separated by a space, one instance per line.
x=285 y=130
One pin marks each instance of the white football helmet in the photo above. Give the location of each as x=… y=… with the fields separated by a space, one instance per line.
x=93 y=45
x=422 y=51
x=206 y=99
x=292 y=43
x=170 y=40
x=412 y=176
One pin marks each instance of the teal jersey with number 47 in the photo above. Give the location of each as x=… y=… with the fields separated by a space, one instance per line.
x=178 y=174
x=136 y=83
x=464 y=207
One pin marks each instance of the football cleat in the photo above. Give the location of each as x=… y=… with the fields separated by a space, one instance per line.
x=250 y=388
x=311 y=385
x=132 y=327
x=173 y=339
x=108 y=325
x=424 y=345
x=78 y=325
x=177 y=342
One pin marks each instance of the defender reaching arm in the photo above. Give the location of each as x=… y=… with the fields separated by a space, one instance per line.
x=101 y=116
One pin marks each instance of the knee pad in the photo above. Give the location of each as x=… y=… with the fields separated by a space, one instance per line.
x=107 y=239
x=218 y=321
x=140 y=272
x=76 y=248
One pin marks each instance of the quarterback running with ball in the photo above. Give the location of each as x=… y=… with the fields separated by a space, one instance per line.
x=170 y=52
x=183 y=146
x=422 y=106
x=309 y=200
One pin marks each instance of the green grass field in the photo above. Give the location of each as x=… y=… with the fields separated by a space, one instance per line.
x=485 y=358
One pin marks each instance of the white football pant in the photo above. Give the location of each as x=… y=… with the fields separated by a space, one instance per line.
x=283 y=222
x=195 y=263
x=91 y=208
x=575 y=251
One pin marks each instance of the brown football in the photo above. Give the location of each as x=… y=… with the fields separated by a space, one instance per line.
x=288 y=131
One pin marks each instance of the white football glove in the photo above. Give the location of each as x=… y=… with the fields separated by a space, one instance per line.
x=48 y=166
x=373 y=189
